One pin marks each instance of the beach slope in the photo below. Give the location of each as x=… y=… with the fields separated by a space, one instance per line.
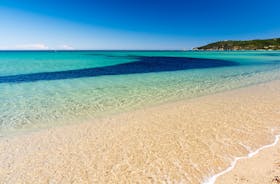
x=186 y=141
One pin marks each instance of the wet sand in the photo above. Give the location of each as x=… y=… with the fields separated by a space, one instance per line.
x=263 y=168
x=185 y=141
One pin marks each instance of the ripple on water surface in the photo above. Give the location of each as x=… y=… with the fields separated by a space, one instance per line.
x=60 y=93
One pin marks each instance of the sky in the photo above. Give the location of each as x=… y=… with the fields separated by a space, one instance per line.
x=133 y=24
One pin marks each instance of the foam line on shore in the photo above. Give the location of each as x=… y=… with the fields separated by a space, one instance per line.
x=213 y=178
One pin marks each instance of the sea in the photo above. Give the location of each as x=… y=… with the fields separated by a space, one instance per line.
x=42 y=89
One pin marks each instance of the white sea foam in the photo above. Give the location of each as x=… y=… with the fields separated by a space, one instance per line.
x=213 y=178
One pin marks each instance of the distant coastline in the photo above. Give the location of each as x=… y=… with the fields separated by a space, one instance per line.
x=268 y=44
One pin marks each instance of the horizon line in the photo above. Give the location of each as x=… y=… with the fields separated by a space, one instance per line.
x=74 y=50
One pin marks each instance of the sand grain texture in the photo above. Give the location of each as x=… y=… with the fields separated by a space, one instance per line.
x=260 y=169
x=185 y=141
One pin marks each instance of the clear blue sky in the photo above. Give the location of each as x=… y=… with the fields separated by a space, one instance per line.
x=133 y=24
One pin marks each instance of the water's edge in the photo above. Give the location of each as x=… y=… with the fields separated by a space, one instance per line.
x=109 y=114
x=212 y=179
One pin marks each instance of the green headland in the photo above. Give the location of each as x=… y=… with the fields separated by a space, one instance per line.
x=268 y=44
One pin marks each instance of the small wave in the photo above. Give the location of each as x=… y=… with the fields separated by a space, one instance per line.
x=213 y=178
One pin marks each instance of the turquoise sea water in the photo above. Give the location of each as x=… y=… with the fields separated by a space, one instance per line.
x=43 y=89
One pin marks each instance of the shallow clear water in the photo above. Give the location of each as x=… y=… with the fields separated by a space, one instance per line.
x=42 y=89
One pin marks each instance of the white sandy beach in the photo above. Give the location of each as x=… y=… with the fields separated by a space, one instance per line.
x=185 y=141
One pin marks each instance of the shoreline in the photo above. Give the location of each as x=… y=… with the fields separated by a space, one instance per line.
x=182 y=141
x=262 y=168
x=102 y=116
x=214 y=178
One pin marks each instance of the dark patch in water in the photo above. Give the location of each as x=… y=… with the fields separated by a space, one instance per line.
x=143 y=64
